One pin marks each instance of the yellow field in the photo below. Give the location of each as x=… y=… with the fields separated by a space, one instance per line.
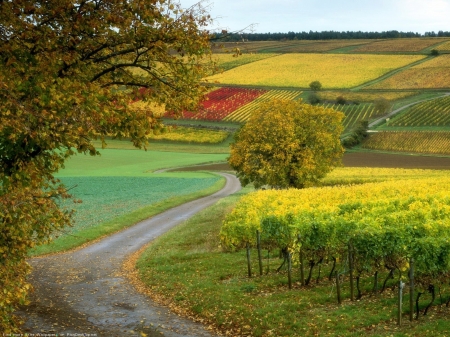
x=444 y=46
x=364 y=96
x=433 y=74
x=400 y=45
x=298 y=70
x=442 y=61
x=244 y=112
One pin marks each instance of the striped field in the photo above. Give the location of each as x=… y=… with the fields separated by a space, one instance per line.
x=244 y=112
x=430 y=142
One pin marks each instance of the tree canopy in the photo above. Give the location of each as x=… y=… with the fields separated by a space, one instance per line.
x=68 y=72
x=287 y=144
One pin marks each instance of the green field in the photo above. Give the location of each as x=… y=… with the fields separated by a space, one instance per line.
x=119 y=188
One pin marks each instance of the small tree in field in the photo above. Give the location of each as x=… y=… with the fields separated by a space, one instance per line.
x=315 y=85
x=287 y=144
x=381 y=106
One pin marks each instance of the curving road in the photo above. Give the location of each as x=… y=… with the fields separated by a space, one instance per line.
x=84 y=292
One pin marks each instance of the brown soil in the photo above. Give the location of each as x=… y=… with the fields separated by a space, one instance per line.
x=361 y=159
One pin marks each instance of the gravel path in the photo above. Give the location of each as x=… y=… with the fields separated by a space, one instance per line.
x=84 y=293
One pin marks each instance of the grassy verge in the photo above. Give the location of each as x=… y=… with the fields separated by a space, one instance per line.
x=88 y=235
x=187 y=268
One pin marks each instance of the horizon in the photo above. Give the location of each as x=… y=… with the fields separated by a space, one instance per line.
x=264 y=16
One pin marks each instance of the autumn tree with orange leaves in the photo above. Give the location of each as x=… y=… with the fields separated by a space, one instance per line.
x=68 y=70
x=287 y=144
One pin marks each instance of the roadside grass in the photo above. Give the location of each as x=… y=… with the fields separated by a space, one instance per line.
x=188 y=270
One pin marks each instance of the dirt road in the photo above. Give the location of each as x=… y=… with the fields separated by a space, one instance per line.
x=84 y=292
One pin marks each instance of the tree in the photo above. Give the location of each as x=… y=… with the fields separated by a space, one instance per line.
x=315 y=85
x=287 y=144
x=381 y=106
x=68 y=71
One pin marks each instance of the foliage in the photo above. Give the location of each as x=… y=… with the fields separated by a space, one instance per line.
x=387 y=223
x=357 y=136
x=341 y=100
x=298 y=70
x=287 y=144
x=187 y=268
x=64 y=68
x=315 y=85
x=434 y=52
x=431 y=142
x=314 y=98
x=381 y=106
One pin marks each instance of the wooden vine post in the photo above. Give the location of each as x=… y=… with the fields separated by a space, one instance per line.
x=338 y=288
x=249 y=265
x=400 y=300
x=350 y=262
x=258 y=245
x=289 y=270
x=411 y=289
x=302 y=263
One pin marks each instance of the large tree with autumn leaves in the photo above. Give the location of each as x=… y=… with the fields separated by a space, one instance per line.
x=68 y=71
x=287 y=144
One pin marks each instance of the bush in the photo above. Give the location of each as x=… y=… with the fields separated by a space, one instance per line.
x=313 y=98
x=315 y=85
x=358 y=135
x=434 y=52
x=341 y=100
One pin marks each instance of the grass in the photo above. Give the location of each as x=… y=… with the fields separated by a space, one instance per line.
x=189 y=270
x=118 y=189
x=70 y=239
x=120 y=162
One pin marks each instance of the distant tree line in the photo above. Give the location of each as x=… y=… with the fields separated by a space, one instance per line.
x=324 y=35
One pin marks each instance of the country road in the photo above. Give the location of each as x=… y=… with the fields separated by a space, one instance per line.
x=85 y=292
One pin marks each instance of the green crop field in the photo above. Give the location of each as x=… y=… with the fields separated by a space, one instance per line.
x=119 y=188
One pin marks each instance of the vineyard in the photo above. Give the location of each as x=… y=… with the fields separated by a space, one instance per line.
x=192 y=135
x=243 y=113
x=407 y=45
x=354 y=113
x=431 y=142
x=357 y=232
x=429 y=113
x=399 y=45
x=230 y=61
x=364 y=96
x=434 y=73
x=235 y=104
x=298 y=70
x=286 y=46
